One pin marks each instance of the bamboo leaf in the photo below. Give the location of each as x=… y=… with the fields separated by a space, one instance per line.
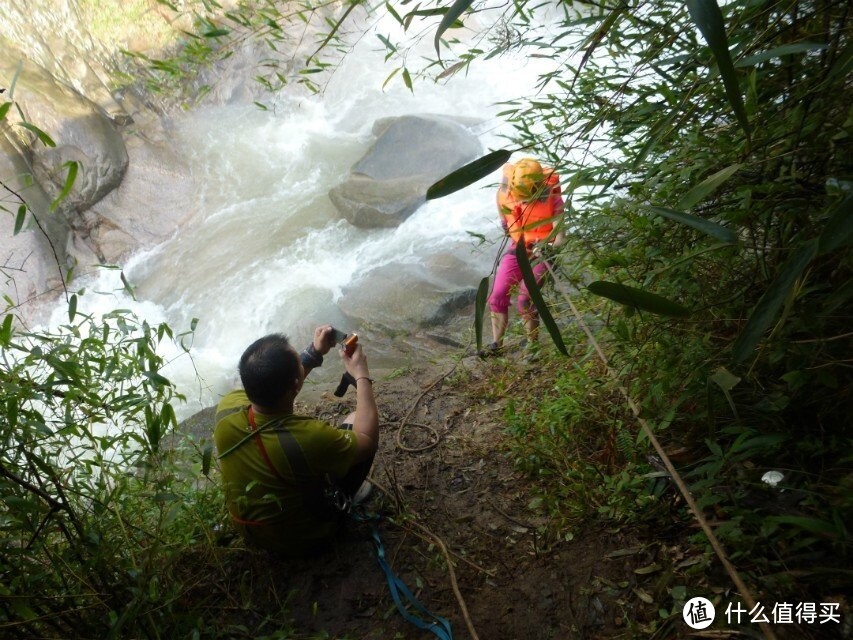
x=469 y=174
x=18 y=68
x=425 y=13
x=216 y=33
x=708 y=17
x=157 y=379
x=706 y=187
x=335 y=26
x=644 y=571
x=390 y=9
x=809 y=524
x=127 y=286
x=19 y=219
x=407 y=79
x=459 y=7
x=73 y=166
x=390 y=75
x=768 y=306
x=595 y=39
x=638 y=299
x=479 y=310
x=536 y=296
x=168 y=417
x=206 y=459
x=839 y=228
x=46 y=139
x=712 y=229
x=778 y=52
x=6 y=330
x=4 y=109
x=152 y=429
x=72 y=308
x=645 y=596
x=725 y=379
x=449 y=71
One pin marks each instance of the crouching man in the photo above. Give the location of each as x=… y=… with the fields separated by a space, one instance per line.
x=284 y=473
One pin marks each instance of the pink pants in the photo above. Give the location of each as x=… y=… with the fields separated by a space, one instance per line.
x=508 y=275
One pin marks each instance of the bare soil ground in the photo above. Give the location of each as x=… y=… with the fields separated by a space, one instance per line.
x=445 y=480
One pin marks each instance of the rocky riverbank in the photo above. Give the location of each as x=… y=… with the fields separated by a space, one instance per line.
x=134 y=188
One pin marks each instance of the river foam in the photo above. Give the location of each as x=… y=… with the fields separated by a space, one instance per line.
x=267 y=250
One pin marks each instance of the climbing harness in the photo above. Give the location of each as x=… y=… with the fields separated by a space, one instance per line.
x=324 y=499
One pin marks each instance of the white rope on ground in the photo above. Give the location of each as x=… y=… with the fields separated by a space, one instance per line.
x=682 y=487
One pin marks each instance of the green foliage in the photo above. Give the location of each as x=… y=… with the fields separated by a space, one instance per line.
x=747 y=141
x=536 y=296
x=575 y=440
x=98 y=506
x=469 y=174
x=708 y=17
x=705 y=226
x=638 y=299
x=212 y=32
x=459 y=7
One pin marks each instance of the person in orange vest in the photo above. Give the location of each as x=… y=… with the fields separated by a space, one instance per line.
x=529 y=199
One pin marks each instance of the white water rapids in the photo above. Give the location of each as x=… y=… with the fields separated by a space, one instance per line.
x=268 y=251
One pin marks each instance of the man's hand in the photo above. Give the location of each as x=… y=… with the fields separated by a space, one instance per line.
x=324 y=339
x=356 y=364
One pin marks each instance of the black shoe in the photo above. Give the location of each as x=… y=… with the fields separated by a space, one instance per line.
x=490 y=350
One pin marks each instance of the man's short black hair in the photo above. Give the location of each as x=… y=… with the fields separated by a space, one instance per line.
x=268 y=369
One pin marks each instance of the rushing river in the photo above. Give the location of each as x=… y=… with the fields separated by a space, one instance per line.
x=267 y=250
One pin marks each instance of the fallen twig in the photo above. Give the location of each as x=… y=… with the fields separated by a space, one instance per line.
x=398 y=439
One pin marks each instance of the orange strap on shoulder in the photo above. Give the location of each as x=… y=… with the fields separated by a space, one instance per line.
x=266 y=458
x=259 y=441
x=247 y=523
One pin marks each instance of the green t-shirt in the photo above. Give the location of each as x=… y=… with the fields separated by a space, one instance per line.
x=271 y=510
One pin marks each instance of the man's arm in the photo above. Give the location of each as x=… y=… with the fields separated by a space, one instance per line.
x=366 y=422
x=312 y=355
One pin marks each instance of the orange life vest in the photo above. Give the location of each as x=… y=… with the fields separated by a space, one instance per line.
x=521 y=217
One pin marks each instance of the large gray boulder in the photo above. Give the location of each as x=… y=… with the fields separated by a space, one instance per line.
x=410 y=153
x=421 y=294
x=155 y=199
x=35 y=259
x=80 y=129
x=30 y=261
x=116 y=207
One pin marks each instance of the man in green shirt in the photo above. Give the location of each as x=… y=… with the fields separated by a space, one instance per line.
x=279 y=468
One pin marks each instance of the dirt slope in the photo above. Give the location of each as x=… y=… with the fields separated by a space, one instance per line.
x=445 y=476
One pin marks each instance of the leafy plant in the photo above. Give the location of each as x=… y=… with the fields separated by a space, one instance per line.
x=716 y=176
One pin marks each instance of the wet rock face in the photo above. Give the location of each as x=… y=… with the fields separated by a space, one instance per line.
x=412 y=294
x=152 y=203
x=80 y=128
x=113 y=208
x=36 y=171
x=410 y=153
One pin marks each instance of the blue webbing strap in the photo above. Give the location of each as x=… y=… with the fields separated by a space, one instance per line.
x=438 y=626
